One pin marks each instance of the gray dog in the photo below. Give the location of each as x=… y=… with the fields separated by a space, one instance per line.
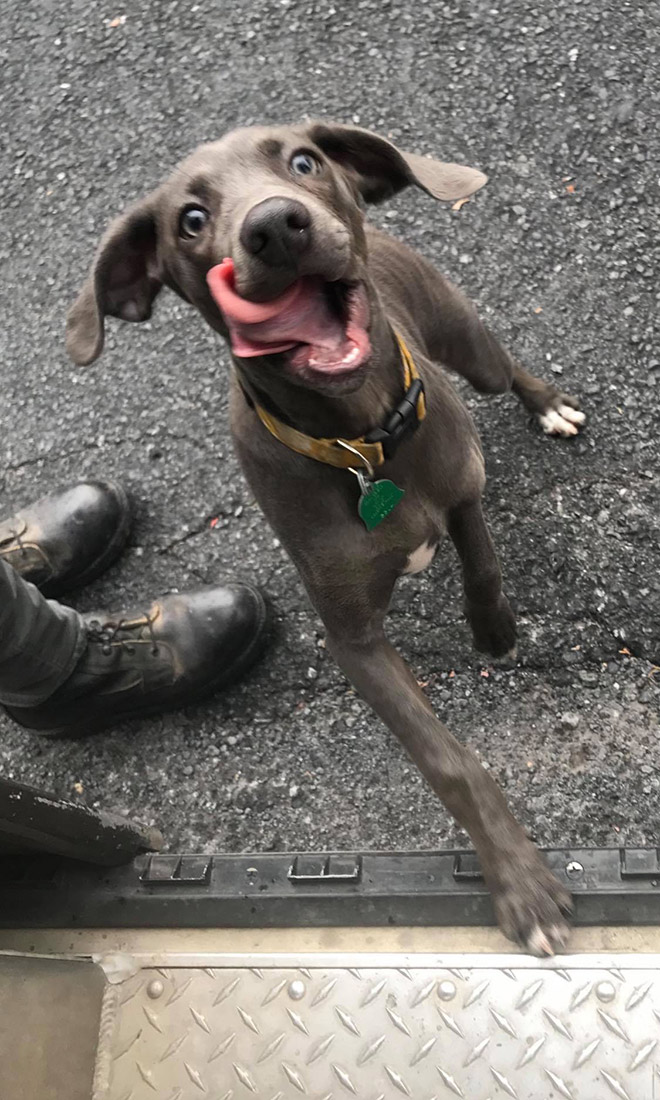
x=355 y=444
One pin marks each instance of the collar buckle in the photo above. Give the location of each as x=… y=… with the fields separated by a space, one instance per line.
x=403 y=421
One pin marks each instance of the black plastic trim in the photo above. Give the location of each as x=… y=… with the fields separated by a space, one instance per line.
x=609 y=885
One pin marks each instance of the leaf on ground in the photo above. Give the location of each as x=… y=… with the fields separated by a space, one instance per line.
x=118 y=21
x=570 y=187
x=538 y=309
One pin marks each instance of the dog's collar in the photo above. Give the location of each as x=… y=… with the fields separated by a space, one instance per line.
x=377 y=446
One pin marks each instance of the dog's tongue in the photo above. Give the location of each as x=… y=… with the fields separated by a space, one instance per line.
x=301 y=315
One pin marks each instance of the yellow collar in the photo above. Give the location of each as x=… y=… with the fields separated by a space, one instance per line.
x=337 y=452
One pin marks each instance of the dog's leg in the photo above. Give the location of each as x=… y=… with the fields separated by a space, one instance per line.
x=458 y=339
x=530 y=903
x=486 y=607
x=556 y=412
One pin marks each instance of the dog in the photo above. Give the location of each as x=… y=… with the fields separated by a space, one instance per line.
x=354 y=442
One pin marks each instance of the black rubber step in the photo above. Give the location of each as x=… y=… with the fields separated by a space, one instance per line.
x=261 y=890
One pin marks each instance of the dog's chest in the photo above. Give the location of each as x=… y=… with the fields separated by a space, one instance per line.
x=421 y=558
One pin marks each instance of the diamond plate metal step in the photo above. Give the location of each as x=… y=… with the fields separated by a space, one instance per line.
x=331 y=975
x=480 y=1027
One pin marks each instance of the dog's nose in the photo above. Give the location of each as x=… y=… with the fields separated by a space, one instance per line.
x=277 y=230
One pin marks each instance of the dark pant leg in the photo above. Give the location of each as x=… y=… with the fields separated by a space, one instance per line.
x=40 y=642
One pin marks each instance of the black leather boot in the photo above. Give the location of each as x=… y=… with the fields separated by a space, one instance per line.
x=137 y=663
x=69 y=538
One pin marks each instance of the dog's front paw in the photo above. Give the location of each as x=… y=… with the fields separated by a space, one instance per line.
x=531 y=904
x=562 y=415
x=493 y=627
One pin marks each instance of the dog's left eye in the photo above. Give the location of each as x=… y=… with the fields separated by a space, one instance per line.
x=192 y=221
x=305 y=164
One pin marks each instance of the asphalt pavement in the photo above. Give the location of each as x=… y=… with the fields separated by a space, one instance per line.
x=559 y=104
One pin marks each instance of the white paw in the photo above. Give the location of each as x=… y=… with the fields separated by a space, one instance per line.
x=562 y=421
x=545 y=944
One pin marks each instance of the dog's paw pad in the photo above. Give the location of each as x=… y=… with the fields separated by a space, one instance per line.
x=564 y=420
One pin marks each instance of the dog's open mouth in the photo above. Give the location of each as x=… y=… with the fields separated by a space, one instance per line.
x=321 y=325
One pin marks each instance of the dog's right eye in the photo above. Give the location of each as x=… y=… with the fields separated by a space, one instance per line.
x=192 y=221
x=305 y=164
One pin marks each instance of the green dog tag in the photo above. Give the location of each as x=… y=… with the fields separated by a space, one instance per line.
x=377 y=500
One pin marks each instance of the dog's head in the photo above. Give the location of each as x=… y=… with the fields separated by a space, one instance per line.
x=263 y=232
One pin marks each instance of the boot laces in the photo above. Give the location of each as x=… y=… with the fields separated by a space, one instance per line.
x=110 y=633
x=14 y=536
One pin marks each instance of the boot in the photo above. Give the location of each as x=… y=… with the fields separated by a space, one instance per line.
x=138 y=663
x=67 y=539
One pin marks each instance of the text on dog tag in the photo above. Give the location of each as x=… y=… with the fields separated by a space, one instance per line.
x=377 y=500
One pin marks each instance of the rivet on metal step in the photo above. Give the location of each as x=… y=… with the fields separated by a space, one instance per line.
x=574 y=869
x=605 y=991
x=446 y=991
x=155 y=989
x=297 y=990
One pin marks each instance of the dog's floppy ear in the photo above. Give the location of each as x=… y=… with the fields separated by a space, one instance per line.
x=123 y=282
x=380 y=169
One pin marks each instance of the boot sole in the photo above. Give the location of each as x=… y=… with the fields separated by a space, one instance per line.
x=109 y=555
x=79 y=729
